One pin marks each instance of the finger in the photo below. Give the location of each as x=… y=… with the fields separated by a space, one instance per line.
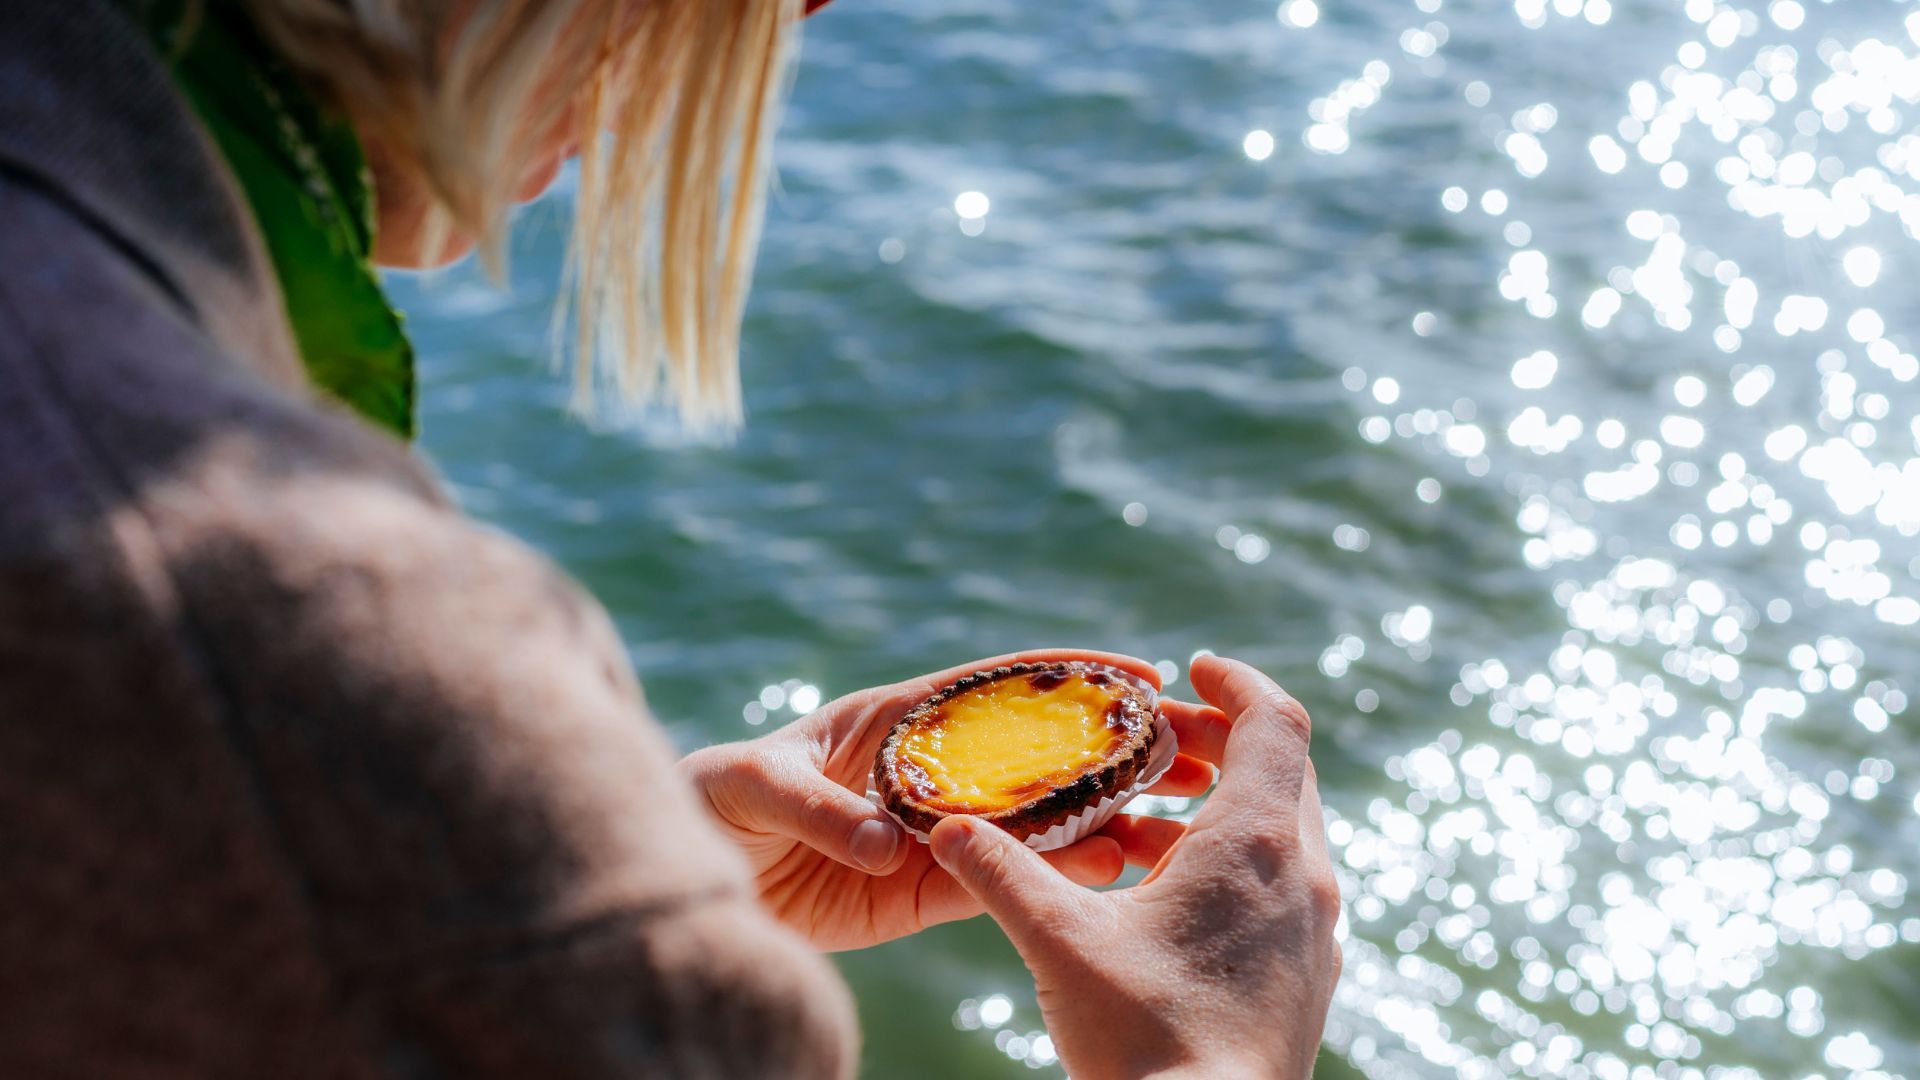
x=1266 y=754
x=1187 y=776
x=844 y=735
x=789 y=797
x=1202 y=729
x=939 y=898
x=1245 y=696
x=1236 y=688
x=1097 y=860
x=1029 y=900
x=1132 y=665
x=1143 y=840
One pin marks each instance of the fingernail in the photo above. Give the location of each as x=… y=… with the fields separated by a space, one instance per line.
x=874 y=843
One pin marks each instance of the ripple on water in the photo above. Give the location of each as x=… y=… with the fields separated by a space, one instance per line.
x=1531 y=384
x=1658 y=848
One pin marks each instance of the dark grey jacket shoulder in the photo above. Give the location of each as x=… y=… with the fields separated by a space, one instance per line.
x=301 y=773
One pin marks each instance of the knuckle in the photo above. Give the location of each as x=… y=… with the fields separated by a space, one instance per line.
x=750 y=770
x=819 y=810
x=1269 y=854
x=699 y=766
x=1281 y=844
x=1288 y=711
x=993 y=871
x=1324 y=893
x=713 y=766
x=998 y=868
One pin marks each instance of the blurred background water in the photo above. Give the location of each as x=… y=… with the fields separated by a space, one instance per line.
x=1526 y=385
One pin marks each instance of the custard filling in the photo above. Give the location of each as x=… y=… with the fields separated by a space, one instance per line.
x=1001 y=744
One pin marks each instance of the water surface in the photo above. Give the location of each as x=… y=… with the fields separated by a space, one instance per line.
x=1527 y=386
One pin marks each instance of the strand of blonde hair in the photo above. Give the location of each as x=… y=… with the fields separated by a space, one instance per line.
x=675 y=101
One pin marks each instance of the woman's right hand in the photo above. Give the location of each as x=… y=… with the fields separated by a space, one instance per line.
x=1222 y=963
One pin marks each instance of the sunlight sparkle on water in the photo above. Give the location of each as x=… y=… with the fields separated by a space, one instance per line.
x=1724 y=835
x=1299 y=13
x=1684 y=814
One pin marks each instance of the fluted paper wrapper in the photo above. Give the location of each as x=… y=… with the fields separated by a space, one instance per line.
x=1091 y=817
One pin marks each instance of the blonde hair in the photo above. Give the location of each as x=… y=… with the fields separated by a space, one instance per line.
x=673 y=102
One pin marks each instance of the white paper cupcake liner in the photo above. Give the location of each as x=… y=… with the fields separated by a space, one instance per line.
x=1091 y=817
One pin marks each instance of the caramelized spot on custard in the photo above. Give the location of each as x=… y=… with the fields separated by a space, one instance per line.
x=1047 y=680
x=1003 y=743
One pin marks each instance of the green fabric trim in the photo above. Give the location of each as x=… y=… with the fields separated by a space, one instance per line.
x=306 y=180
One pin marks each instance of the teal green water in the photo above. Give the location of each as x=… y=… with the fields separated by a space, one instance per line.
x=1526 y=386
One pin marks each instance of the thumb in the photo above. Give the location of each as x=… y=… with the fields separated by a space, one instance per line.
x=1028 y=898
x=794 y=800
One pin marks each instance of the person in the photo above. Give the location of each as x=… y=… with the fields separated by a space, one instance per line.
x=304 y=774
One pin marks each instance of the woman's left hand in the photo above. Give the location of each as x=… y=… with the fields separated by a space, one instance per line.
x=834 y=866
